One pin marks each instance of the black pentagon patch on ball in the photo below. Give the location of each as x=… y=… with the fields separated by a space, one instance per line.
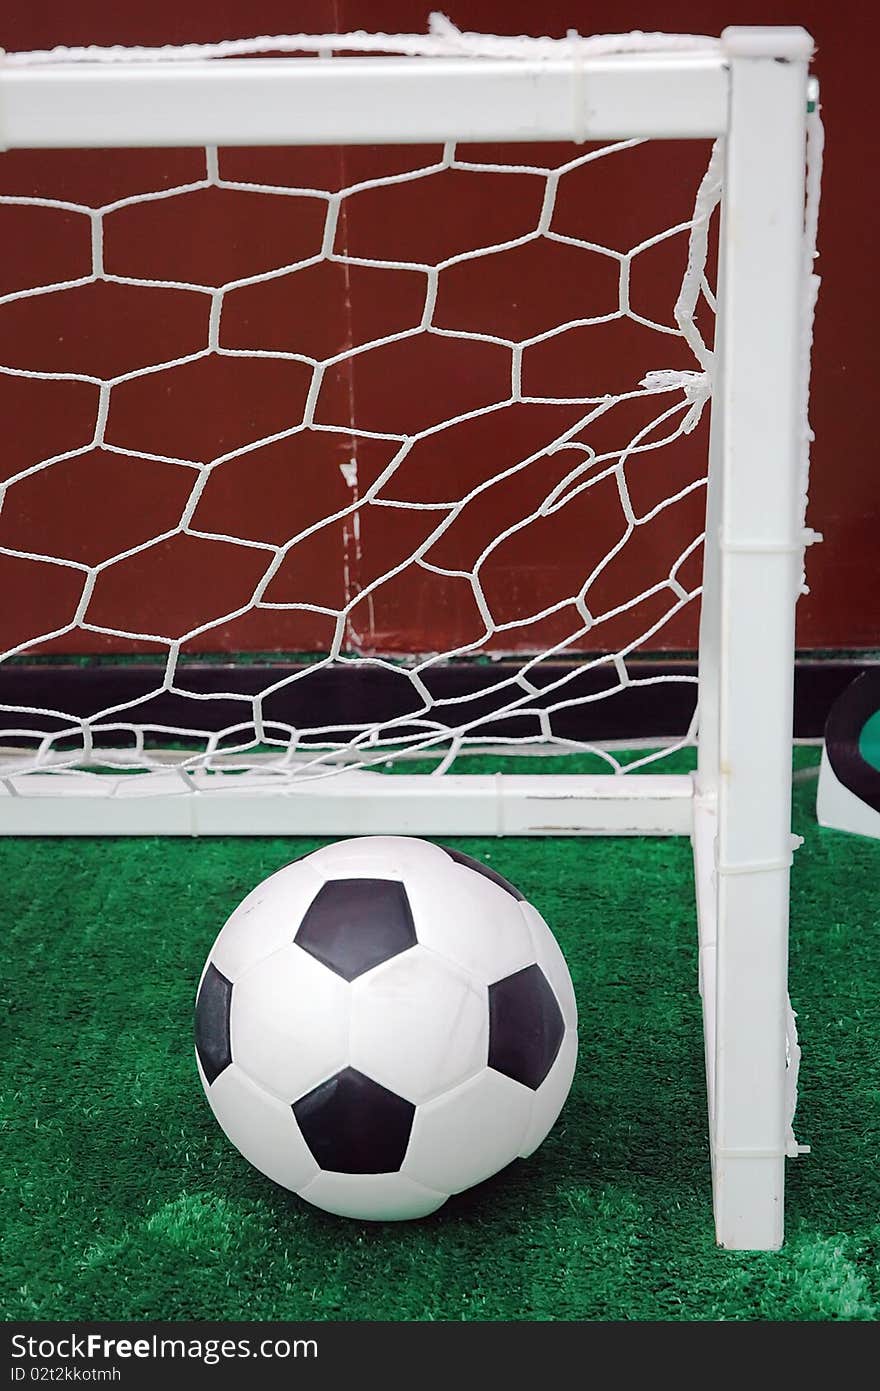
x=352 y=925
x=525 y=1026
x=212 y=1023
x=354 y=1126
x=487 y=873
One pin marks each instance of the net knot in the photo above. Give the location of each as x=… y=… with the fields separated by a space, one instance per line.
x=696 y=386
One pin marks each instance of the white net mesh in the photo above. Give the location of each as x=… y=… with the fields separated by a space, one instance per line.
x=430 y=723
x=674 y=401
x=426 y=503
x=443 y=40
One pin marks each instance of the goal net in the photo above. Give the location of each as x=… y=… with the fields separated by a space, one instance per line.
x=333 y=458
x=358 y=394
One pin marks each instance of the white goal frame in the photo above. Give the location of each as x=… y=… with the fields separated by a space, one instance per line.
x=751 y=89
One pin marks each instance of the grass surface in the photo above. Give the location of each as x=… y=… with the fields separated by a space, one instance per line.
x=124 y=1200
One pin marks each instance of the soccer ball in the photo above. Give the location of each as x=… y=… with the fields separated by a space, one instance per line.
x=384 y=1023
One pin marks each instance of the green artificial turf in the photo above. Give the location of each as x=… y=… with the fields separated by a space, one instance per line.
x=124 y=1200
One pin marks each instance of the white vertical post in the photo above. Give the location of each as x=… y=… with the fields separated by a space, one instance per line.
x=759 y=553
x=709 y=676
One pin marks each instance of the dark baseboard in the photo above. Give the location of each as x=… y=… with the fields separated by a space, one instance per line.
x=336 y=697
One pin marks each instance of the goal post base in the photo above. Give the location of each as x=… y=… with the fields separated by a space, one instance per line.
x=748 y=1200
x=747 y=1178
x=349 y=803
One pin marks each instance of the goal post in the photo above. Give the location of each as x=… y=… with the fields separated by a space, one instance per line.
x=759 y=436
x=123 y=768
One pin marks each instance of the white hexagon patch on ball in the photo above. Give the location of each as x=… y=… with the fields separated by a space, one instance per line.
x=384 y=1023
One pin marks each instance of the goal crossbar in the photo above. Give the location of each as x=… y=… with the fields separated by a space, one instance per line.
x=357 y=101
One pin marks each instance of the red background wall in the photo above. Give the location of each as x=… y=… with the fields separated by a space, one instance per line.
x=82 y=510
